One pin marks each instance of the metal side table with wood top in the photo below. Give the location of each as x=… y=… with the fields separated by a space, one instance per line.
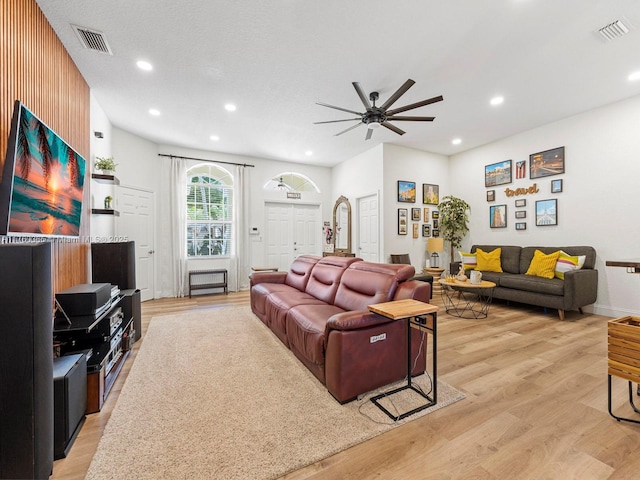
x=422 y=316
x=623 y=347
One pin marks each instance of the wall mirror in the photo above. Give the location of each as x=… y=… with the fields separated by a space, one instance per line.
x=342 y=226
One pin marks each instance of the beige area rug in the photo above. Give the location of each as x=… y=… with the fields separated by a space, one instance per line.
x=214 y=394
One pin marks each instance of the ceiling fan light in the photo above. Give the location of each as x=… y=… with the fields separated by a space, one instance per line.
x=373 y=125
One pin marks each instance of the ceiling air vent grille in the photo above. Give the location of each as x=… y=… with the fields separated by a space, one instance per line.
x=614 y=30
x=92 y=40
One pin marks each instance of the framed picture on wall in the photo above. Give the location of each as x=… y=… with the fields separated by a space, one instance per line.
x=403 y=220
x=406 y=191
x=491 y=195
x=521 y=203
x=546 y=212
x=415 y=214
x=498 y=216
x=426 y=230
x=547 y=163
x=430 y=194
x=521 y=226
x=521 y=169
x=435 y=232
x=416 y=230
x=556 y=186
x=521 y=214
x=497 y=174
x=426 y=215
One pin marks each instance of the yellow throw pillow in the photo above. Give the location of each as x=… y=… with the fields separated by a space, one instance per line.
x=490 y=262
x=543 y=265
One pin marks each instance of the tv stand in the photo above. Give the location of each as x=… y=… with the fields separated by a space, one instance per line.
x=105 y=341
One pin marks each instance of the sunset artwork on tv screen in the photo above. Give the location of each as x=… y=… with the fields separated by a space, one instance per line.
x=42 y=181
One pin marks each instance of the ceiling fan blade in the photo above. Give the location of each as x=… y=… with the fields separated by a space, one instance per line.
x=362 y=95
x=411 y=119
x=401 y=91
x=393 y=128
x=369 y=133
x=349 y=129
x=415 y=105
x=335 y=121
x=339 y=108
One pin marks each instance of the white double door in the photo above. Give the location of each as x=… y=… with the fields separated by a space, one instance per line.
x=291 y=230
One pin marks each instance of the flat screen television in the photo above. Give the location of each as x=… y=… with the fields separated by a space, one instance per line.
x=42 y=183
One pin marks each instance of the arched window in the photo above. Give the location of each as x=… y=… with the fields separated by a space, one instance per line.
x=209 y=211
x=292 y=182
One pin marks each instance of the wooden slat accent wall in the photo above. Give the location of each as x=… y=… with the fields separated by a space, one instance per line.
x=36 y=69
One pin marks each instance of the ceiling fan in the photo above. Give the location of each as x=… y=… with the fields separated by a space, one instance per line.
x=375 y=116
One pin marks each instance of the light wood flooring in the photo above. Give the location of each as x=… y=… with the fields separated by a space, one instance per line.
x=535 y=407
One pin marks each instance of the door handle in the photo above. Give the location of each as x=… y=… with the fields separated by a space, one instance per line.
x=151 y=252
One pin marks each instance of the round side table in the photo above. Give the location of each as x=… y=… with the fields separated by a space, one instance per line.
x=436 y=273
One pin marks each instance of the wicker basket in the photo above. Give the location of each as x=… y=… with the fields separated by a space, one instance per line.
x=624 y=348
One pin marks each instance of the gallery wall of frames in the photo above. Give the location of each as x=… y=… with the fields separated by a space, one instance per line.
x=515 y=186
x=420 y=220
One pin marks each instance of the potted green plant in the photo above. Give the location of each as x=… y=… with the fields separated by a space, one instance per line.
x=454 y=220
x=106 y=164
x=107 y=202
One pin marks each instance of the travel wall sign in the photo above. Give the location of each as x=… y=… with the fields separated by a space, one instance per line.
x=521 y=191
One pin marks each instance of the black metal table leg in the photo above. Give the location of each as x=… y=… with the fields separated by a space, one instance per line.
x=431 y=400
x=630 y=402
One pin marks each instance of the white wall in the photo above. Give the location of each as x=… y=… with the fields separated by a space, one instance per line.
x=358 y=177
x=102 y=226
x=401 y=163
x=599 y=203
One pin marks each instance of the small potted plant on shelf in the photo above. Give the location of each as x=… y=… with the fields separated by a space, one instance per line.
x=107 y=202
x=106 y=164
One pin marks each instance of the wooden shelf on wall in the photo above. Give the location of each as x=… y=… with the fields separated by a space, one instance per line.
x=105 y=211
x=99 y=177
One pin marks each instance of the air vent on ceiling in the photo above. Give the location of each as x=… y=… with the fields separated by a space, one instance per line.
x=92 y=39
x=614 y=29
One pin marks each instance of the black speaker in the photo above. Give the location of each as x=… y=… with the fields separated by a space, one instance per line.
x=114 y=263
x=69 y=400
x=131 y=307
x=26 y=361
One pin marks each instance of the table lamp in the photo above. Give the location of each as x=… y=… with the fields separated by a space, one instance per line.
x=435 y=245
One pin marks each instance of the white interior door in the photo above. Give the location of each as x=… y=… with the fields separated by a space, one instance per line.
x=308 y=230
x=368 y=228
x=136 y=223
x=279 y=235
x=291 y=230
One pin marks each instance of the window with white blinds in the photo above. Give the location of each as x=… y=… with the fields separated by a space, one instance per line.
x=209 y=212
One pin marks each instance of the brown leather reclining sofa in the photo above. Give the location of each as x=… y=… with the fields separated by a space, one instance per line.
x=319 y=310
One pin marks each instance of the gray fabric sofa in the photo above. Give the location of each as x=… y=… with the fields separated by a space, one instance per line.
x=579 y=288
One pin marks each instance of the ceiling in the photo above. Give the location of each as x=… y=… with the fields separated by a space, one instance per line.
x=275 y=59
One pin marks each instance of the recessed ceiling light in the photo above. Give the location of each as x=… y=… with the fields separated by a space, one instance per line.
x=215 y=138
x=142 y=65
x=154 y=112
x=230 y=107
x=308 y=153
x=456 y=141
x=497 y=100
x=634 y=76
